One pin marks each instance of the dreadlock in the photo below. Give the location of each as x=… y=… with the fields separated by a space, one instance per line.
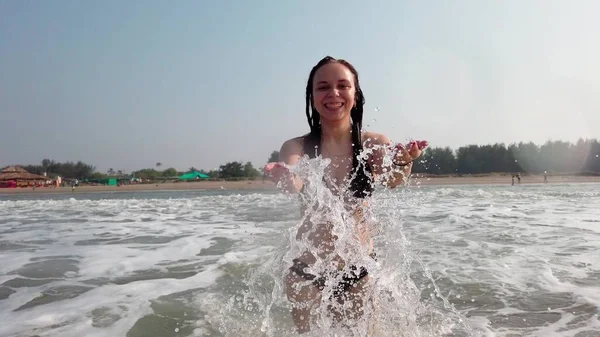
x=312 y=142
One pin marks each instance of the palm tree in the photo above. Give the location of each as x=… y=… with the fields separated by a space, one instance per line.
x=110 y=171
x=158 y=164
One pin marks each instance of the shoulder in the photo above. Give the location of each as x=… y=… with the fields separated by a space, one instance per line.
x=370 y=139
x=292 y=147
x=294 y=144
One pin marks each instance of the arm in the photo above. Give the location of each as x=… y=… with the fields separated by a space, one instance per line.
x=290 y=153
x=395 y=173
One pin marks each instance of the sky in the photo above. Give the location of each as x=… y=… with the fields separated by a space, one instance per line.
x=126 y=84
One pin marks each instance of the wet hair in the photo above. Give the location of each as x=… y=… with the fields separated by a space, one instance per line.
x=361 y=184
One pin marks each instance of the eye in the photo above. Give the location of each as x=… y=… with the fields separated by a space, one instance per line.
x=322 y=87
x=344 y=86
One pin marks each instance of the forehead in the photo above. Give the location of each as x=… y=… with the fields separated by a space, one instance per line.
x=333 y=72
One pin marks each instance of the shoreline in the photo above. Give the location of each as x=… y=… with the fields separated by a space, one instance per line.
x=260 y=185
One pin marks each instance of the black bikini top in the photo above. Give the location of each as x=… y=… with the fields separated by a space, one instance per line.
x=362 y=184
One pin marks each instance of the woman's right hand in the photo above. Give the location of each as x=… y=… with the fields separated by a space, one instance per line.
x=280 y=174
x=276 y=171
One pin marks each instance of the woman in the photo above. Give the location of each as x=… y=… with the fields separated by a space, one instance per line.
x=334 y=109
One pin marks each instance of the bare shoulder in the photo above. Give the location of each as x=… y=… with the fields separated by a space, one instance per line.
x=293 y=145
x=291 y=150
x=371 y=139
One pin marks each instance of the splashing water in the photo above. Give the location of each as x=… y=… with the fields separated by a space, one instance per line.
x=400 y=298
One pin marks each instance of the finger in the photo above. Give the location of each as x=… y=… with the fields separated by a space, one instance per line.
x=422 y=144
x=269 y=167
x=273 y=165
x=272 y=169
x=414 y=149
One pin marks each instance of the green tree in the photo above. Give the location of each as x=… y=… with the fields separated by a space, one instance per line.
x=78 y=170
x=231 y=170
x=169 y=173
x=274 y=157
x=148 y=174
x=97 y=176
x=250 y=171
x=436 y=161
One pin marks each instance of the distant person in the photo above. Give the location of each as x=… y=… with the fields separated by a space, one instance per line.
x=545 y=177
x=513 y=180
x=334 y=110
x=518 y=178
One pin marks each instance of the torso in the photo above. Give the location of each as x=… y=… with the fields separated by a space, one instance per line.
x=337 y=179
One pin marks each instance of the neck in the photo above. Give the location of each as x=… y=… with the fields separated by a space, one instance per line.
x=339 y=132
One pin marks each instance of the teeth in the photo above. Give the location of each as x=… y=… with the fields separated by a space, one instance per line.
x=333 y=105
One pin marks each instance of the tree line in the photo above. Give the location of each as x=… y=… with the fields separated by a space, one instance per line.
x=551 y=157
x=83 y=171
x=581 y=157
x=67 y=169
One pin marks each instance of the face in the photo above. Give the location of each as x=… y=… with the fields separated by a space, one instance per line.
x=333 y=92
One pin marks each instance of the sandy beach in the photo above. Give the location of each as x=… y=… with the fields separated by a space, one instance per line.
x=267 y=185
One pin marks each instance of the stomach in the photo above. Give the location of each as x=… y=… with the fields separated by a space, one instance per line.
x=322 y=240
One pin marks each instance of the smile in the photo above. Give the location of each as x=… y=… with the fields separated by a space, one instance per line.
x=333 y=106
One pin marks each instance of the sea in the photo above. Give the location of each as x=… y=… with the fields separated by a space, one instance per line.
x=464 y=260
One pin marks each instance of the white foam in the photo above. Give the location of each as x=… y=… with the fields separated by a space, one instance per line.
x=502 y=240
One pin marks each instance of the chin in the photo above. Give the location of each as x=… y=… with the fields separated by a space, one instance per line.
x=335 y=117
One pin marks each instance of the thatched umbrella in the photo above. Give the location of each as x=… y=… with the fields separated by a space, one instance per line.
x=17 y=173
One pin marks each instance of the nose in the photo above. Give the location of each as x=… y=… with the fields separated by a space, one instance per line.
x=333 y=92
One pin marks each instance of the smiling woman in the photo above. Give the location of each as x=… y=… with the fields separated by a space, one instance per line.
x=334 y=110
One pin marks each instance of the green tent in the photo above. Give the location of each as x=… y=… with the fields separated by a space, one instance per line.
x=193 y=176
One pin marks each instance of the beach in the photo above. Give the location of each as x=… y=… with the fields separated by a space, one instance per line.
x=262 y=185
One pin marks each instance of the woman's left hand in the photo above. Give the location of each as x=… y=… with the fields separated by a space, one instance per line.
x=407 y=154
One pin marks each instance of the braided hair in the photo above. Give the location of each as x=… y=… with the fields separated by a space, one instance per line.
x=360 y=185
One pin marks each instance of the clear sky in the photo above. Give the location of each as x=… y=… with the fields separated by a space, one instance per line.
x=125 y=84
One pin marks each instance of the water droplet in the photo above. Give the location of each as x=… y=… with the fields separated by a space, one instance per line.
x=472 y=300
x=176 y=329
x=457 y=296
x=596 y=156
x=374 y=120
x=549 y=309
x=515 y=160
x=377 y=109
